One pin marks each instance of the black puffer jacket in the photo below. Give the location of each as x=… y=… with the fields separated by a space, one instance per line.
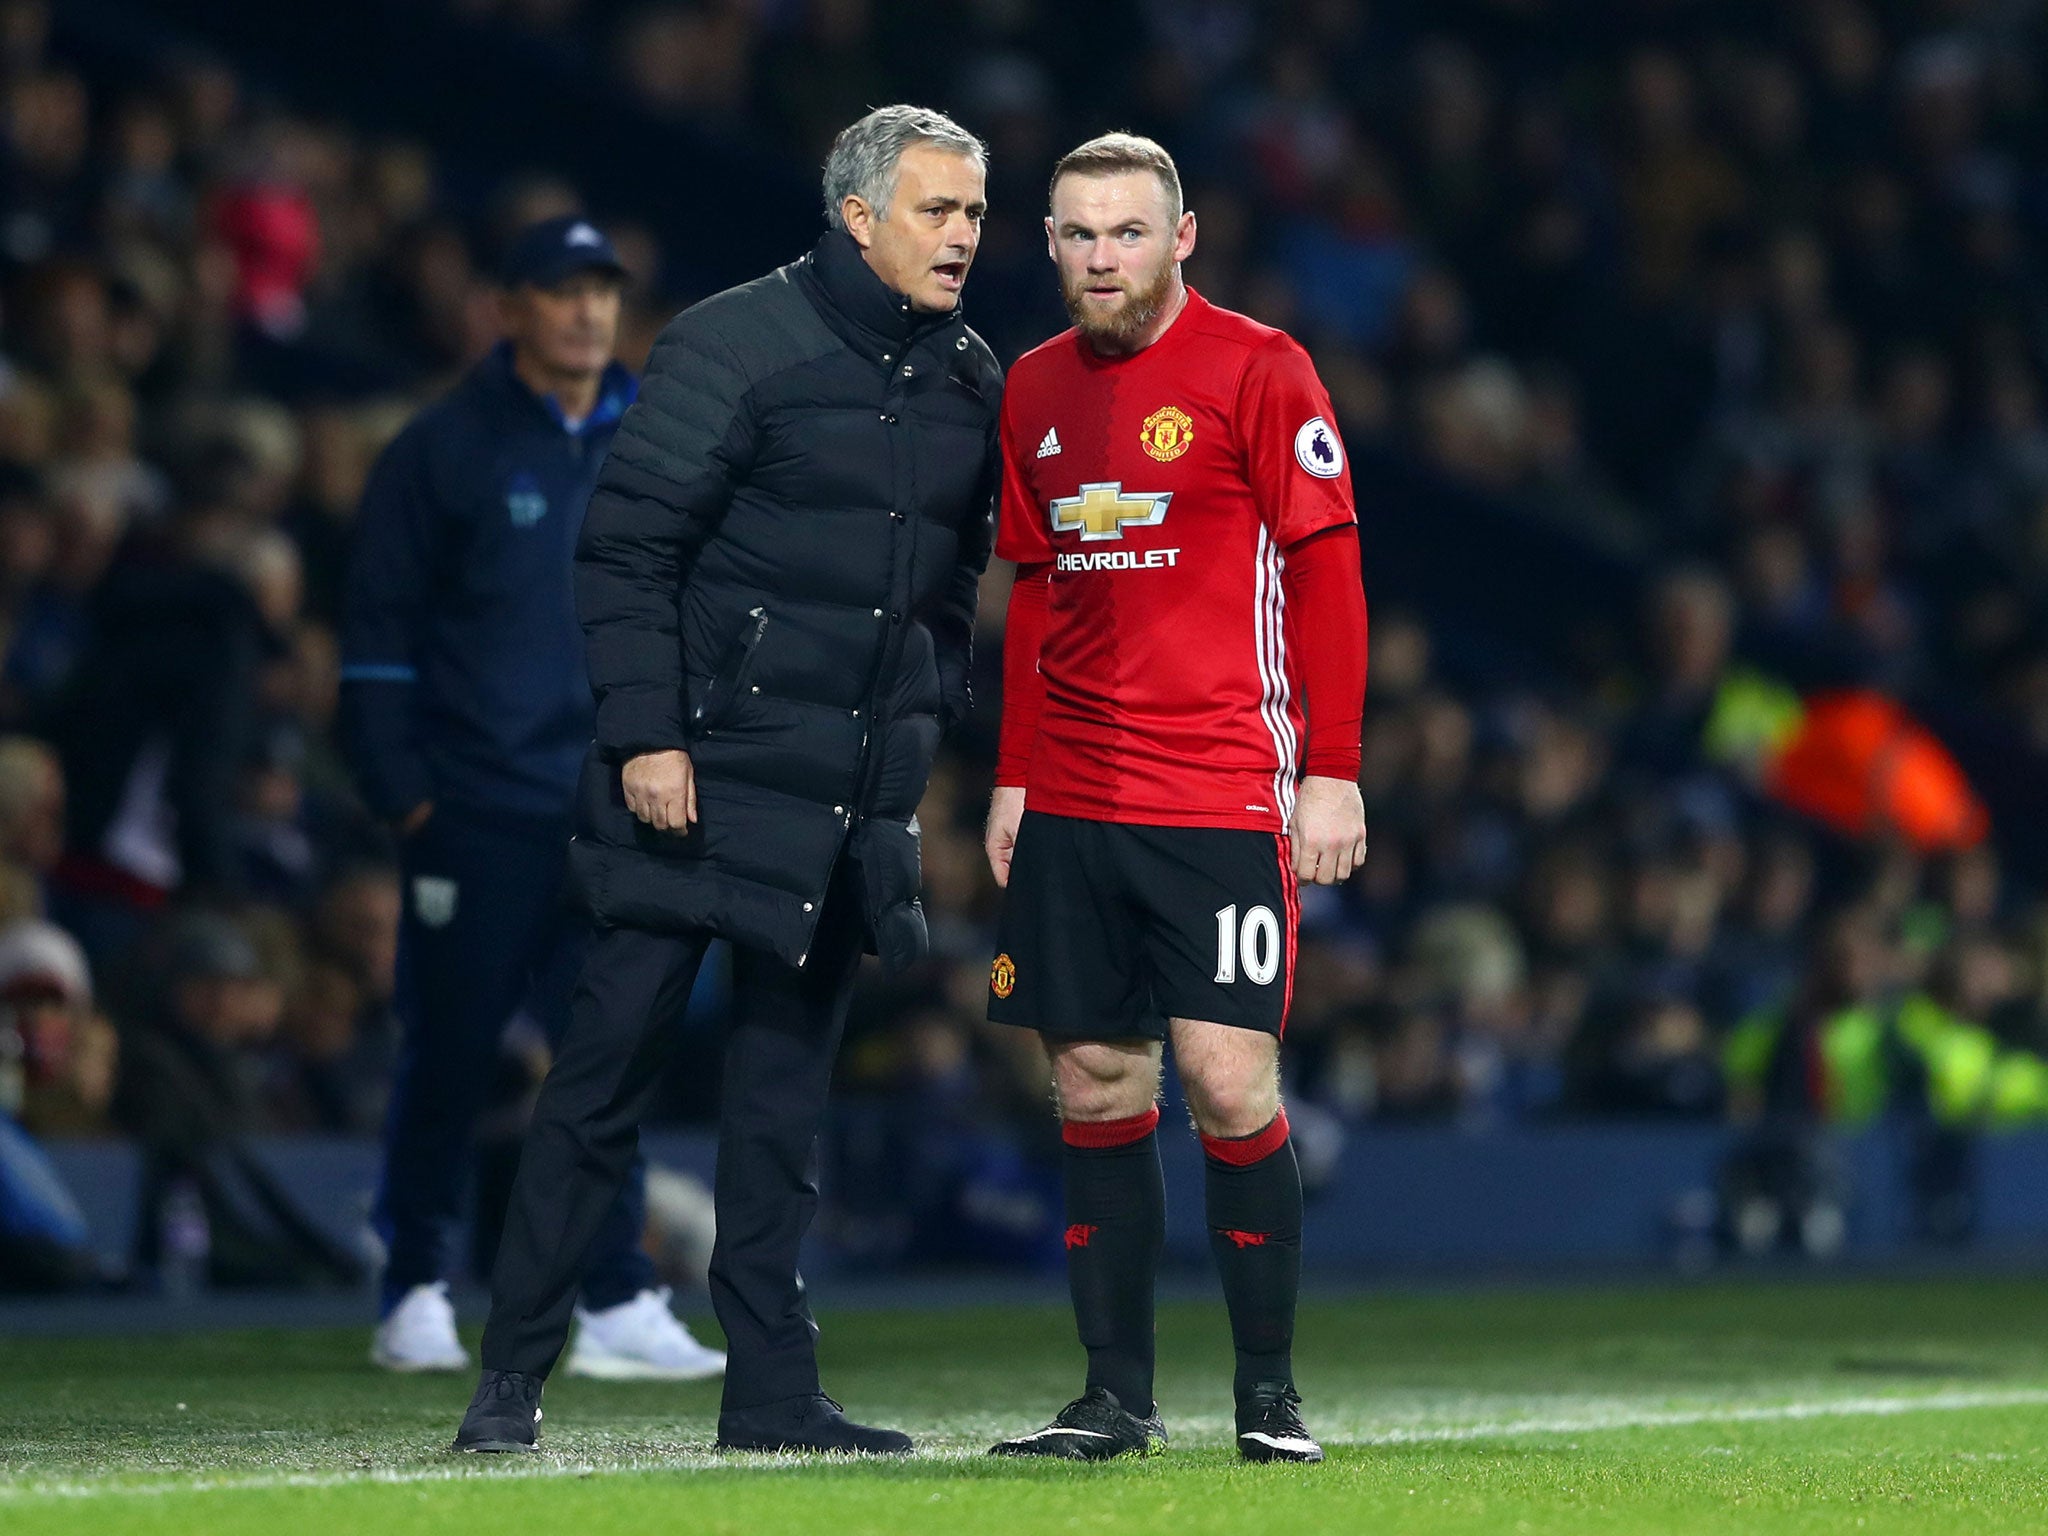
x=777 y=572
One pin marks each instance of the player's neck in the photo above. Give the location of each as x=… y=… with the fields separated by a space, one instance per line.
x=1161 y=323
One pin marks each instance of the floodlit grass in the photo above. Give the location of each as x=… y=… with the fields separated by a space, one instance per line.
x=1896 y=1407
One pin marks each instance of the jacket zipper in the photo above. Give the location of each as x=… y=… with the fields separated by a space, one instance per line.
x=891 y=646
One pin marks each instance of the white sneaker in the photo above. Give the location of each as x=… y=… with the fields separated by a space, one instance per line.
x=640 y=1340
x=419 y=1335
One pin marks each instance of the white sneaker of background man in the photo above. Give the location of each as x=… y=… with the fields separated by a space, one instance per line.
x=419 y=1333
x=640 y=1340
x=637 y=1340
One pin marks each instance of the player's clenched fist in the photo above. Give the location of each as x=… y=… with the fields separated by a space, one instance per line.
x=1328 y=831
x=661 y=789
x=1005 y=811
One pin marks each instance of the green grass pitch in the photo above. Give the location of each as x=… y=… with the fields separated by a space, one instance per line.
x=1865 y=1407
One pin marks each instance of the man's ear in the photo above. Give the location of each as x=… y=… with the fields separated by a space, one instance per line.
x=1052 y=243
x=860 y=221
x=1184 y=237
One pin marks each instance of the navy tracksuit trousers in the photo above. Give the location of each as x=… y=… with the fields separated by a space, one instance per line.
x=488 y=925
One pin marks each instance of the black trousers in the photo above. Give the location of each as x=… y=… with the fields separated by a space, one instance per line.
x=586 y=1132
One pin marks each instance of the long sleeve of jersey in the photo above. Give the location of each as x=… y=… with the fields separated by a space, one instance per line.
x=1325 y=591
x=1023 y=684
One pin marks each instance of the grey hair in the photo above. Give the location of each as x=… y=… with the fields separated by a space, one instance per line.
x=865 y=156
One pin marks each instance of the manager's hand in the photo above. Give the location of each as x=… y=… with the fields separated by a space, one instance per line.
x=661 y=789
x=1328 y=831
x=1005 y=811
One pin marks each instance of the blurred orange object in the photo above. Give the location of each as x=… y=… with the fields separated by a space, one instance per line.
x=1864 y=766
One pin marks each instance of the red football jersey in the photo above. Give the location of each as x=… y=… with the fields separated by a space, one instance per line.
x=1164 y=489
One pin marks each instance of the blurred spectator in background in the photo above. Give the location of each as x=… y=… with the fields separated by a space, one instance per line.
x=65 y=1052
x=192 y=1072
x=338 y=1020
x=57 y=1063
x=31 y=809
x=164 y=710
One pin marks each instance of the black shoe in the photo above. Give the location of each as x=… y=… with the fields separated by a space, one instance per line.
x=504 y=1415
x=1269 y=1426
x=1093 y=1427
x=813 y=1423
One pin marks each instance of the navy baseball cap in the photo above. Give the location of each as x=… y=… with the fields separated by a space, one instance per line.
x=545 y=253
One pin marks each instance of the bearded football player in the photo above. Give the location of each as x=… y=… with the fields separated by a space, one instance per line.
x=1184 y=677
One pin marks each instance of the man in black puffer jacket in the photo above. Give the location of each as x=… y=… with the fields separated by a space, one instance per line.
x=776 y=580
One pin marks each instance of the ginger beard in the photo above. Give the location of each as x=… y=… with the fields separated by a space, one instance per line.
x=1119 y=326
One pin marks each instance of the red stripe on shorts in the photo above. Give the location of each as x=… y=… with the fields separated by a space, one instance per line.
x=1290 y=890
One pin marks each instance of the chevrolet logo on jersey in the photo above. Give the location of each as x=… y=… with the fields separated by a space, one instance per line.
x=1103 y=510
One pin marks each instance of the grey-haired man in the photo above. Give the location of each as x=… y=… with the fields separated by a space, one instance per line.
x=776 y=580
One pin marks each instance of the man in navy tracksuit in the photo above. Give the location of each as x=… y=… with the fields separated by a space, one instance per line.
x=466 y=713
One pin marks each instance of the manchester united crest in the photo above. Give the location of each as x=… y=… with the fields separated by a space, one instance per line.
x=1167 y=433
x=1002 y=976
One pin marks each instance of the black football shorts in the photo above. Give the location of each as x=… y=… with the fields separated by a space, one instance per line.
x=1108 y=931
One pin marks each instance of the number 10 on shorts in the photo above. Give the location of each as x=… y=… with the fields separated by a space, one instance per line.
x=1255 y=944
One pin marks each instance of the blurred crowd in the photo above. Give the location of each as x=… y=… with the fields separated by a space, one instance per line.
x=1746 y=296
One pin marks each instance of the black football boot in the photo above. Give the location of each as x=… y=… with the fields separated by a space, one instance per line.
x=1093 y=1427
x=1269 y=1426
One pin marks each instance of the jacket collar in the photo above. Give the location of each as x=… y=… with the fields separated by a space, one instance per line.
x=867 y=313
x=616 y=390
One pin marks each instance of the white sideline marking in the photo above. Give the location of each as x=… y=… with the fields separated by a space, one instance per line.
x=542 y=1467
x=1762 y=1413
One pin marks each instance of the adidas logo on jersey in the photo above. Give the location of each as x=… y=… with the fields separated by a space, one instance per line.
x=1050 y=445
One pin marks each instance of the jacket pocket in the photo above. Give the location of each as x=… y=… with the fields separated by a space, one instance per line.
x=729 y=684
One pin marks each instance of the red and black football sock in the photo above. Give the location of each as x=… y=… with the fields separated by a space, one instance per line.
x=1253 y=1188
x=1116 y=1228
